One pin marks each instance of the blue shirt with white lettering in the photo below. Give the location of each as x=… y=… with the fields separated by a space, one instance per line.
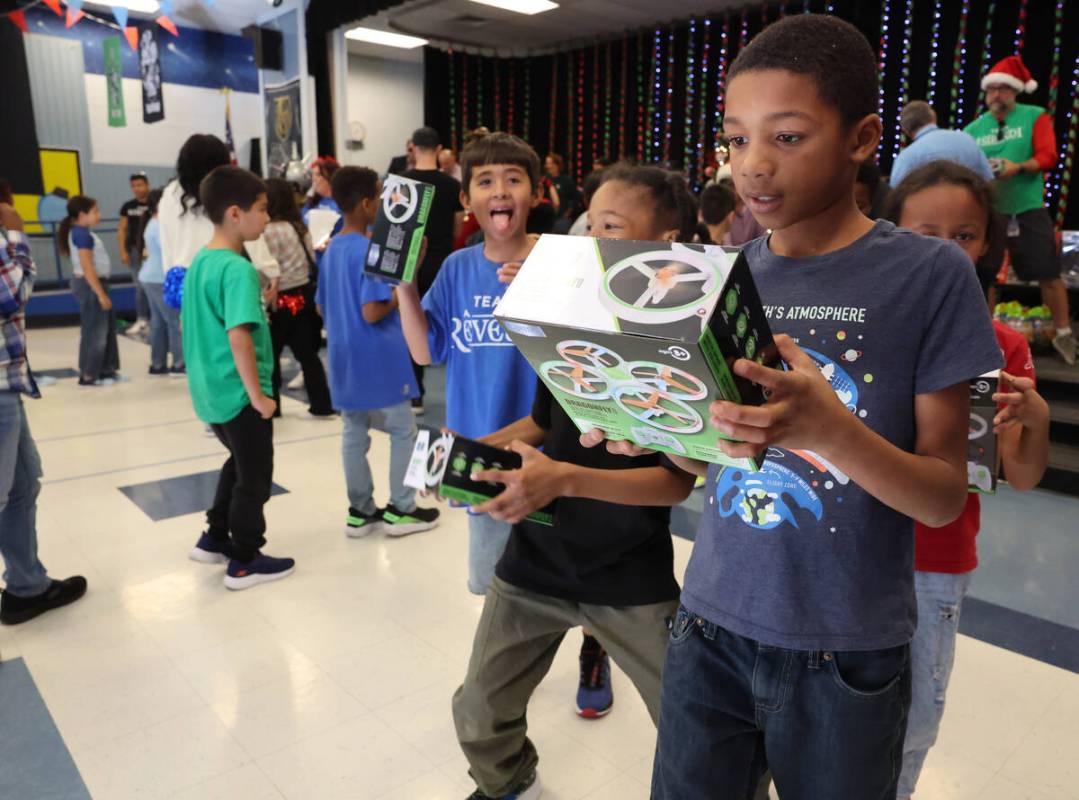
x=489 y=384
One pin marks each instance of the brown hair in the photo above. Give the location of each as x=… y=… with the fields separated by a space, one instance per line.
x=79 y=204
x=499 y=148
x=949 y=173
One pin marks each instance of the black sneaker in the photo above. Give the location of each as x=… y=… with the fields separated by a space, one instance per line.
x=358 y=525
x=528 y=789
x=15 y=610
x=159 y=371
x=400 y=523
x=177 y=372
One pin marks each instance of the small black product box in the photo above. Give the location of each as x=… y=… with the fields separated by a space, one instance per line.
x=981 y=441
x=397 y=234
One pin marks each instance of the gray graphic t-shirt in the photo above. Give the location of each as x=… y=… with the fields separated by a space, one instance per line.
x=797 y=555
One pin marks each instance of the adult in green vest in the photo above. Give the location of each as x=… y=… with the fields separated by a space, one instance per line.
x=1019 y=142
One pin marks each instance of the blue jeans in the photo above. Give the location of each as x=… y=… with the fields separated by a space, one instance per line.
x=828 y=724
x=356 y=441
x=164 y=328
x=932 y=653
x=487 y=539
x=99 y=355
x=20 y=483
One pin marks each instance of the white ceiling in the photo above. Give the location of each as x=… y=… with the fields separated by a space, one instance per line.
x=470 y=25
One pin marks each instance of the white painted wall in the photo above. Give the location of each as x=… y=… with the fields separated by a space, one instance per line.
x=387 y=97
x=188 y=110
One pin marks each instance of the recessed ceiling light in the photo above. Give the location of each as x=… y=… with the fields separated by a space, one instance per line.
x=372 y=36
x=521 y=6
x=138 y=6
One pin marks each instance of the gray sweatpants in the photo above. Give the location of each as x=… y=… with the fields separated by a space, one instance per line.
x=516 y=641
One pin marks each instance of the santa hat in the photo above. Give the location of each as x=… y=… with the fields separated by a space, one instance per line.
x=1010 y=71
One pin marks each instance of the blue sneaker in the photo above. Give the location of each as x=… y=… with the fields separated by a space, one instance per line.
x=260 y=569
x=528 y=789
x=211 y=550
x=594 y=695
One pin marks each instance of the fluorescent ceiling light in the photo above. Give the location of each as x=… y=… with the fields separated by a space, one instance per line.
x=521 y=6
x=372 y=36
x=138 y=6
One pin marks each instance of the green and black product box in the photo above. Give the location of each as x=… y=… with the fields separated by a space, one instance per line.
x=447 y=464
x=397 y=234
x=981 y=441
x=638 y=338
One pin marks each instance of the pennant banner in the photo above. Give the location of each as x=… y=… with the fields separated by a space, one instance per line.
x=55 y=6
x=19 y=18
x=153 y=103
x=167 y=24
x=73 y=17
x=114 y=81
x=119 y=13
x=132 y=36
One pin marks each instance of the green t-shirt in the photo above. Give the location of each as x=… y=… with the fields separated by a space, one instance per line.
x=1021 y=192
x=221 y=292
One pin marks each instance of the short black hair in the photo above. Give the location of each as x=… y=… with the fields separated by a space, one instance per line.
x=499 y=148
x=832 y=53
x=717 y=202
x=426 y=138
x=350 y=185
x=228 y=186
x=869 y=175
x=675 y=206
x=138 y=176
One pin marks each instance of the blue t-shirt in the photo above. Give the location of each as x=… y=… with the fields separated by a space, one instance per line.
x=152 y=270
x=797 y=555
x=488 y=382
x=939 y=144
x=369 y=364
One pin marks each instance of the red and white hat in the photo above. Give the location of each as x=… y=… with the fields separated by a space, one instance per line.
x=1010 y=71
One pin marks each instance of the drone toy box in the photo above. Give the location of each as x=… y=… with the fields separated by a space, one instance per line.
x=397 y=235
x=447 y=464
x=638 y=338
x=981 y=441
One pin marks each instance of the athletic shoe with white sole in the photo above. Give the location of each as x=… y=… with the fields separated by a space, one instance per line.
x=402 y=523
x=1065 y=344
x=260 y=569
x=528 y=789
x=359 y=525
x=210 y=550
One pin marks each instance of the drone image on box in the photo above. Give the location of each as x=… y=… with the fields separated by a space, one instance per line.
x=397 y=233
x=639 y=348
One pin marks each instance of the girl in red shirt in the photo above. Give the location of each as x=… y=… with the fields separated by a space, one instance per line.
x=948 y=201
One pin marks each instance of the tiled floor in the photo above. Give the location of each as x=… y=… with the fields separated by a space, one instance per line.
x=337 y=681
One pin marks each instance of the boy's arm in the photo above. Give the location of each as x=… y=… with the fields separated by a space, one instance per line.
x=414 y=323
x=623 y=447
x=803 y=413
x=121 y=235
x=377 y=310
x=540 y=480
x=1023 y=425
x=526 y=430
x=17 y=273
x=243 y=353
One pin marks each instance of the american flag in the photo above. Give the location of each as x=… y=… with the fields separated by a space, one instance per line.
x=228 y=130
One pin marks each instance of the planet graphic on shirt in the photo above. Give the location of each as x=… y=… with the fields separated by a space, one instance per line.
x=850 y=356
x=766 y=499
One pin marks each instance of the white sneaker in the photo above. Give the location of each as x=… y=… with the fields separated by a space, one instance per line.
x=137 y=329
x=1065 y=344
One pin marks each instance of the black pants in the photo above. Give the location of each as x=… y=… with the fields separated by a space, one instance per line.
x=244 y=484
x=302 y=333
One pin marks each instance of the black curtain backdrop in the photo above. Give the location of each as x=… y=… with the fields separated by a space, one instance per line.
x=656 y=94
x=18 y=138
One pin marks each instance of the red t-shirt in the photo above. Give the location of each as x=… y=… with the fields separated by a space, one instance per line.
x=952 y=548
